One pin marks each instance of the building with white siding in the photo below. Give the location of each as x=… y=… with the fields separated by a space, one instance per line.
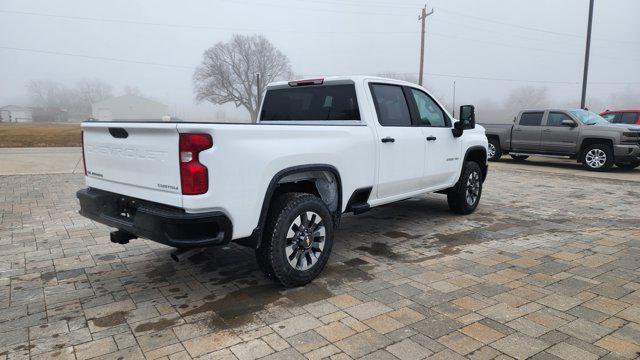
x=129 y=107
x=14 y=113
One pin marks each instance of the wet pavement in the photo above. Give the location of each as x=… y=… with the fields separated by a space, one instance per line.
x=547 y=267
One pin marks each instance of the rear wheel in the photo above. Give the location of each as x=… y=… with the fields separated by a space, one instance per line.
x=519 y=157
x=494 y=152
x=628 y=166
x=297 y=240
x=597 y=157
x=464 y=197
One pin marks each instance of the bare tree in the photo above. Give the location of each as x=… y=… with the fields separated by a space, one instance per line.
x=89 y=91
x=47 y=93
x=412 y=78
x=228 y=72
x=527 y=97
x=132 y=90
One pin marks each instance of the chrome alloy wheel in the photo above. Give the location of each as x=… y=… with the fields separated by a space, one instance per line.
x=305 y=241
x=596 y=158
x=492 y=151
x=472 y=189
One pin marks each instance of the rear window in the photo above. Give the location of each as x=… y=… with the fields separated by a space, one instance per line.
x=531 y=119
x=329 y=102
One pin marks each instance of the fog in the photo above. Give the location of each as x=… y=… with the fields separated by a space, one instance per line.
x=492 y=49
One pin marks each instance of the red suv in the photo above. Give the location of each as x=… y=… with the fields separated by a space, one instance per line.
x=622 y=116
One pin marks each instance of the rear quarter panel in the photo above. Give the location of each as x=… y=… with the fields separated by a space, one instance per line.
x=245 y=158
x=502 y=131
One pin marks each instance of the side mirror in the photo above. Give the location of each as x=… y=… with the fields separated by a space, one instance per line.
x=467 y=120
x=569 y=123
x=468 y=116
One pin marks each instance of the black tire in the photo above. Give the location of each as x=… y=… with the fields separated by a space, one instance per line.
x=497 y=150
x=470 y=179
x=628 y=166
x=519 y=157
x=597 y=157
x=271 y=254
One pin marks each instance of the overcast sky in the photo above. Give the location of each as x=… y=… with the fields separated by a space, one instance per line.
x=541 y=41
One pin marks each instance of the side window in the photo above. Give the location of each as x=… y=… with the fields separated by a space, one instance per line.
x=629 y=118
x=555 y=118
x=391 y=105
x=531 y=119
x=609 y=117
x=429 y=112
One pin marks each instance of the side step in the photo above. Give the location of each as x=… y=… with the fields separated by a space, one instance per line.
x=360 y=208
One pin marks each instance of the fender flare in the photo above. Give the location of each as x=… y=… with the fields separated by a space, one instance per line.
x=255 y=238
x=484 y=166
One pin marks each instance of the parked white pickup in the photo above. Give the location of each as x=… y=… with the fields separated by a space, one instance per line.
x=321 y=148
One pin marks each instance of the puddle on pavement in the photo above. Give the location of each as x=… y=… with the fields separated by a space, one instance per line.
x=161 y=273
x=383 y=250
x=240 y=307
x=156 y=325
x=400 y=234
x=114 y=319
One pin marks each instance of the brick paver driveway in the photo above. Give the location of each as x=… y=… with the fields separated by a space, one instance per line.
x=548 y=267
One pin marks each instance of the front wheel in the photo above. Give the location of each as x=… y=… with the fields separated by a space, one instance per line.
x=597 y=157
x=628 y=166
x=464 y=197
x=297 y=240
x=494 y=152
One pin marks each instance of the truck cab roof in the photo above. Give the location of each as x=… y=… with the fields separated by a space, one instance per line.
x=340 y=79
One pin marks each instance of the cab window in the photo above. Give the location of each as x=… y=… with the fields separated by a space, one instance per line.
x=429 y=113
x=629 y=118
x=555 y=118
x=391 y=105
x=531 y=119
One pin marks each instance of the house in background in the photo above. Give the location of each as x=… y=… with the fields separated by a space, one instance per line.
x=129 y=107
x=14 y=113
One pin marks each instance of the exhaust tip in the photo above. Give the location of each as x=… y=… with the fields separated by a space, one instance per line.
x=183 y=254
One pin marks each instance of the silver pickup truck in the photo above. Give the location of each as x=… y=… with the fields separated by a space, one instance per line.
x=574 y=133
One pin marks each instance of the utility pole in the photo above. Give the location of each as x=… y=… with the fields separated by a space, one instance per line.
x=586 y=58
x=423 y=17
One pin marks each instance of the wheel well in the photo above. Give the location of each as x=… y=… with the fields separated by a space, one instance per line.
x=494 y=137
x=319 y=180
x=321 y=183
x=478 y=155
x=591 y=141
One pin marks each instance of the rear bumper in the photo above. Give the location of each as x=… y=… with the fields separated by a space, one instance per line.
x=626 y=153
x=164 y=224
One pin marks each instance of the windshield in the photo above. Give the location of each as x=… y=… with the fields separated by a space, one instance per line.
x=588 y=118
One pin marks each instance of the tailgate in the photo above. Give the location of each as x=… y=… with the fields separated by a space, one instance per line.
x=135 y=159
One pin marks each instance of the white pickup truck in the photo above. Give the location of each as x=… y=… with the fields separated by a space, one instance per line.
x=321 y=148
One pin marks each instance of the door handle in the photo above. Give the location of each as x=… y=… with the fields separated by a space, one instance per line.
x=388 y=140
x=431 y=138
x=517 y=129
x=547 y=130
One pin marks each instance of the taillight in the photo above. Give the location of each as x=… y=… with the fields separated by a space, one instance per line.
x=193 y=175
x=84 y=162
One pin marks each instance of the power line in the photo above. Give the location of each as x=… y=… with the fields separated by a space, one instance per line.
x=531 y=28
x=140 y=62
x=218 y=28
x=96 y=57
x=193 y=26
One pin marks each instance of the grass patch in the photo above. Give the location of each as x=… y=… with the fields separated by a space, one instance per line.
x=39 y=135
